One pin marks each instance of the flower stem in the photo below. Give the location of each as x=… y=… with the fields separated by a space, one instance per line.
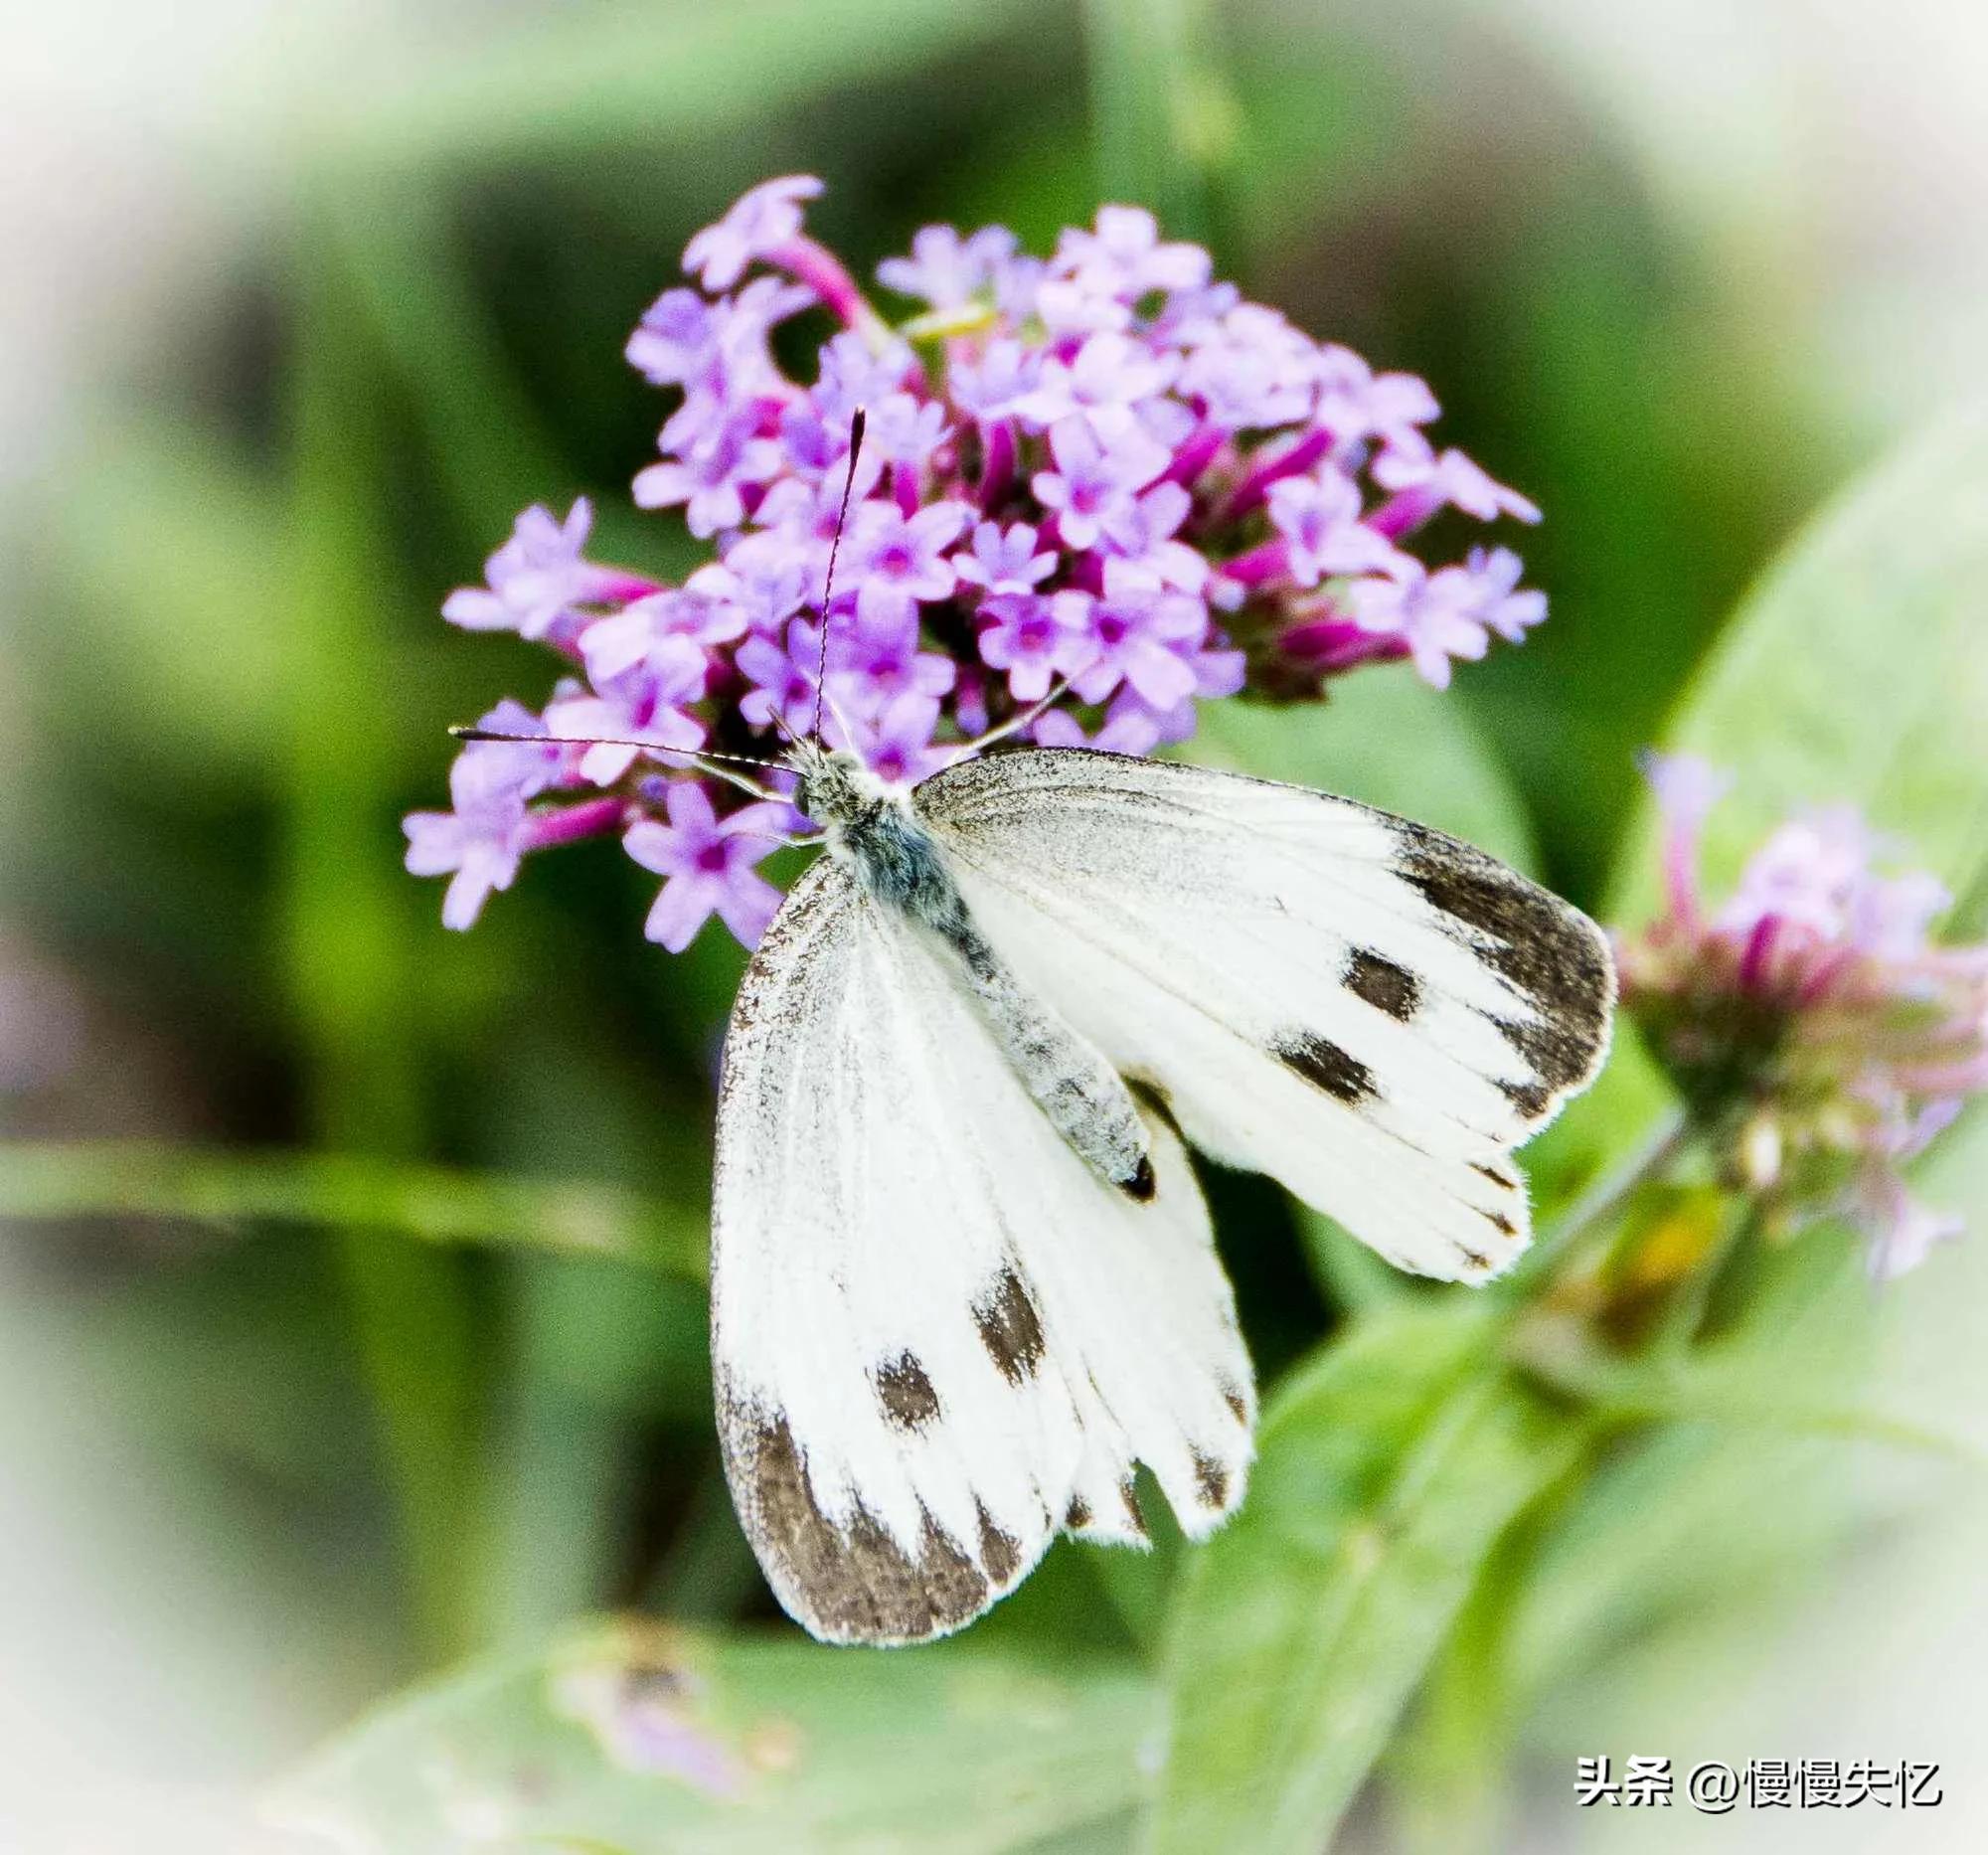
x=1256 y=485
x=997 y=471
x=1401 y=515
x=824 y=274
x=570 y=824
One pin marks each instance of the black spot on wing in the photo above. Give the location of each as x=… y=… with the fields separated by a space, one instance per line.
x=1078 y=1515
x=1239 y=1406
x=1382 y=984
x=1551 y=952
x=1500 y=1223
x=1133 y=1512
x=1324 y=1065
x=1210 y=1482
x=1504 y=1181
x=1142 y=1184
x=854 y=1583
x=906 y=1393
x=1010 y=1329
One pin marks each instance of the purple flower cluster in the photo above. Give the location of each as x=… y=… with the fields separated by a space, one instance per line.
x=1096 y=489
x=1809 y=1018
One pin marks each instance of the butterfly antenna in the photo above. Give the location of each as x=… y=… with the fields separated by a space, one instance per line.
x=858 y=420
x=704 y=760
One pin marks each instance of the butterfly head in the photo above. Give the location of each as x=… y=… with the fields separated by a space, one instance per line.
x=835 y=788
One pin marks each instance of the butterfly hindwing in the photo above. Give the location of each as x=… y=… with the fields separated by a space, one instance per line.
x=939 y=1338
x=1369 y=1011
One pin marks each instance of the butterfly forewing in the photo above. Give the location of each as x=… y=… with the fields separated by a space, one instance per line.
x=1369 y=1011
x=939 y=1337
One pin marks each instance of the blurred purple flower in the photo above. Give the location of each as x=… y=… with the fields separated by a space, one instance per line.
x=1101 y=482
x=1005 y=561
x=711 y=478
x=1252 y=369
x=784 y=678
x=944 y=268
x=871 y=664
x=1502 y=607
x=760 y=582
x=1000 y=383
x=1124 y=254
x=1319 y=519
x=1810 y=1017
x=893 y=563
x=897 y=742
x=1141 y=534
x=1425 y=480
x=539 y=577
x=758 y=223
x=1096 y=476
x=1356 y=403
x=1107 y=372
x=1439 y=615
x=487 y=830
x=708 y=864
x=1140 y=636
x=1034 y=637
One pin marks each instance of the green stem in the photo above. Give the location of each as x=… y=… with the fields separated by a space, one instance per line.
x=352 y=993
x=429 y=1204
x=1604 y=1201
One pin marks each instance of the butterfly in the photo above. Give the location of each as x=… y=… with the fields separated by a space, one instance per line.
x=963 y=1281
x=962 y=1277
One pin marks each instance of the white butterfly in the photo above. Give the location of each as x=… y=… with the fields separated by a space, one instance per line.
x=962 y=1277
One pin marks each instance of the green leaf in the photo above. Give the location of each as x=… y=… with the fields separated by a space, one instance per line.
x=651 y=1740
x=1162 y=115
x=1389 y=1470
x=1732 y=1493
x=432 y=1203
x=1352 y=1277
x=1386 y=738
x=1855 y=671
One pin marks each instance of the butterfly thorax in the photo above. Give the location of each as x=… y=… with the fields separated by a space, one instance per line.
x=873 y=829
x=871 y=826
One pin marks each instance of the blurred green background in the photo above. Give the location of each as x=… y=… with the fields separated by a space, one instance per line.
x=380 y=270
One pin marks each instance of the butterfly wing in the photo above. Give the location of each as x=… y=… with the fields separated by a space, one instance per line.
x=937 y=1337
x=1367 y=1010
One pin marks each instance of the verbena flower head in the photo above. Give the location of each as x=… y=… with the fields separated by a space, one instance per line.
x=1808 y=1018
x=1100 y=482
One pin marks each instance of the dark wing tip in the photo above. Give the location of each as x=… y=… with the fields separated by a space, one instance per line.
x=1546 y=948
x=854 y=1583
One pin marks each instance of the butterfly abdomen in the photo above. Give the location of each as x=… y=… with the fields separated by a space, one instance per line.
x=1083 y=1096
